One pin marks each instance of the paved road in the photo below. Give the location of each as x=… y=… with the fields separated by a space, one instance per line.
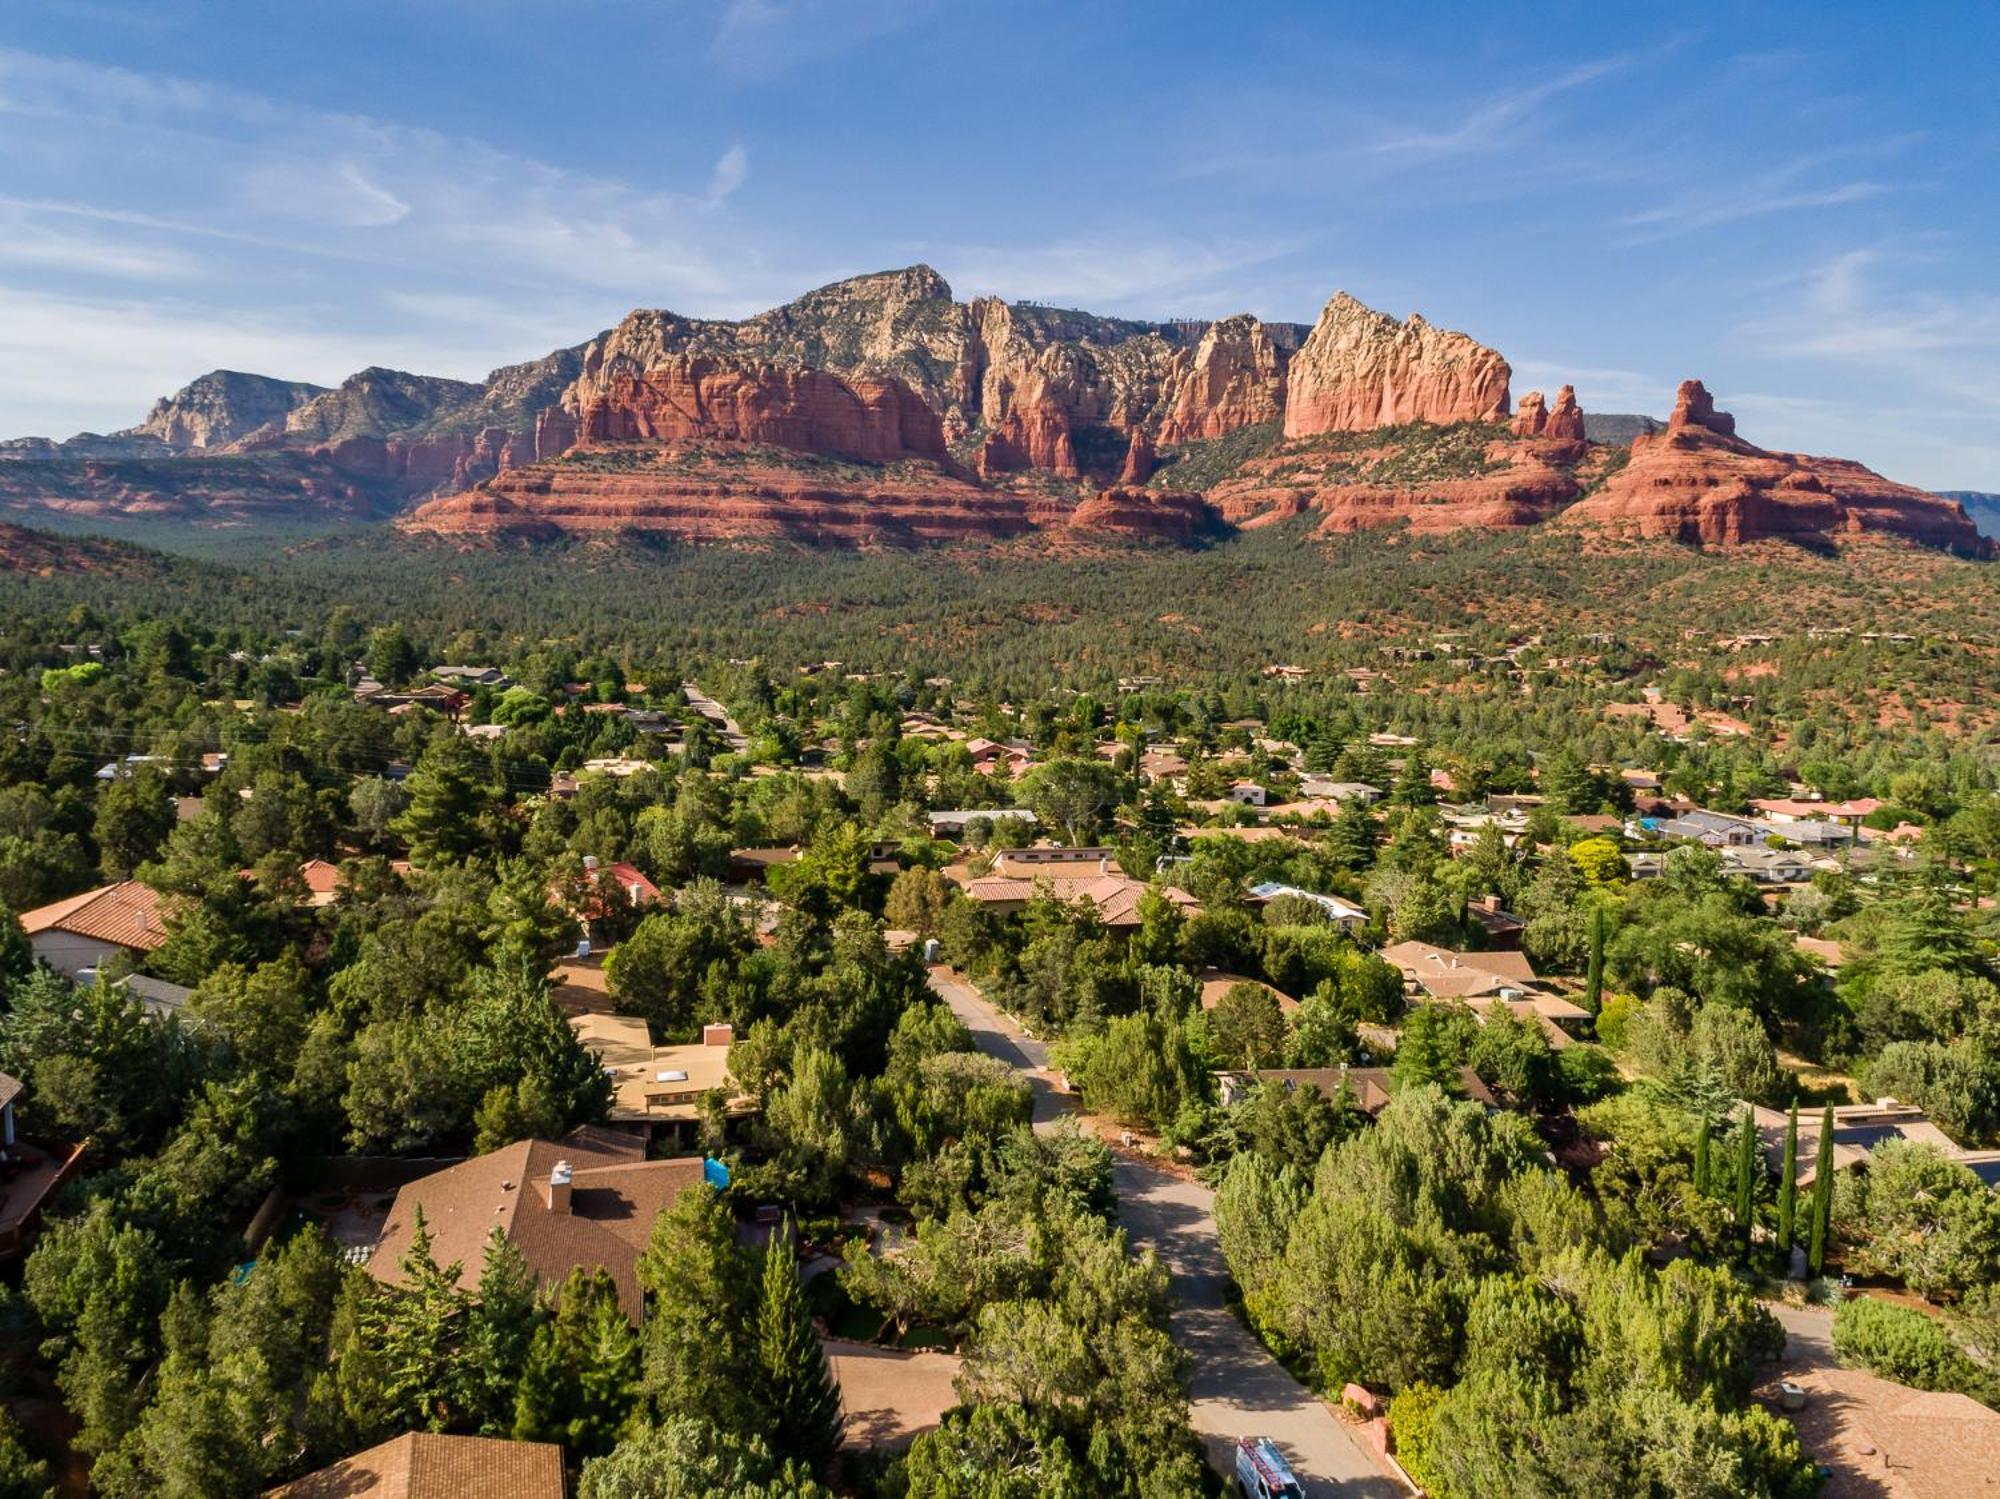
x=1808 y=1336
x=1237 y=1388
x=732 y=733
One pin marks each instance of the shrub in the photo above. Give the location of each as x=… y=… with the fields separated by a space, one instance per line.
x=1899 y=1343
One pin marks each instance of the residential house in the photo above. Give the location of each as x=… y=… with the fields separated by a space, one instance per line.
x=1344 y=914
x=77 y=935
x=749 y=866
x=473 y=676
x=30 y=1174
x=586 y=1201
x=1215 y=984
x=1883 y=1440
x=1247 y=794
x=1502 y=927
x=1769 y=866
x=1067 y=874
x=1478 y=979
x=596 y=904
x=429 y=1465
x=1712 y=829
x=1859 y=1129
x=1369 y=1087
x=953 y=824
x=1325 y=788
x=660 y=1089
x=156 y=996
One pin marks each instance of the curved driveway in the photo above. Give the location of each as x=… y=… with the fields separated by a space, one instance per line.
x=1237 y=1388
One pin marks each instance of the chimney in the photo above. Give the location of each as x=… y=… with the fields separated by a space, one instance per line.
x=717 y=1035
x=559 y=1180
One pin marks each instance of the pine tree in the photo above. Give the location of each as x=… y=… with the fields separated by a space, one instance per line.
x=1746 y=1172
x=1822 y=1199
x=582 y=1373
x=1788 y=1186
x=799 y=1394
x=502 y=1330
x=1593 y=982
x=417 y=1331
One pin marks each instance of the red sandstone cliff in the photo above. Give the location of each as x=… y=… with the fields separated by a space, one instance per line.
x=684 y=397
x=1235 y=377
x=1360 y=369
x=1699 y=483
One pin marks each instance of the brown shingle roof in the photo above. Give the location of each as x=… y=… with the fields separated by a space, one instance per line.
x=127 y=914
x=423 y=1465
x=615 y=1195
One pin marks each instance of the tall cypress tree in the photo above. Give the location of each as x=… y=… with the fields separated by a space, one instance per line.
x=1788 y=1186
x=798 y=1389
x=1746 y=1172
x=1593 y=982
x=1822 y=1198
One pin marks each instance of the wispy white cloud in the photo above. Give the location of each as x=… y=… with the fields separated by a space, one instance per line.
x=1490 y=124
x=765 y=37
x=1131 y=268
x=730 y=169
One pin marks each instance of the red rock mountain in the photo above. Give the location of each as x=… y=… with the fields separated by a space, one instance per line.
x=882 y=409
x=1359 y=370
x=1698 y=482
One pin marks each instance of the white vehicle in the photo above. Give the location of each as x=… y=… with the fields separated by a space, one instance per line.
x=1261 y=1471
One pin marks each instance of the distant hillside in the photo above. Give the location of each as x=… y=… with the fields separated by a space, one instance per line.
x=1984 y=508
x=1617 y=427
x=45 y=554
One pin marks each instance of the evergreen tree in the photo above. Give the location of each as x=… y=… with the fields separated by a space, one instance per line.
x=1788 y=1186
x=582 y=1373
x=416 y=1332
x=1350 y=842
x=1701 y=1145
x=1593 y=981
x=697 y=1337
x=800 y=1397
x=502 y=1330
x=448 y=790
x=1746 y=1172
x=1822 y=1199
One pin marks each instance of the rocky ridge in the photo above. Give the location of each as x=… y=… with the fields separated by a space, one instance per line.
x=1699 y=483
x=881 y=408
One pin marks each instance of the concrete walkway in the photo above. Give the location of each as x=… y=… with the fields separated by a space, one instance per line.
x=1237 y=1388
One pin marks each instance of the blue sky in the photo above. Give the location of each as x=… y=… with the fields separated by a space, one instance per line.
x=1795 y=202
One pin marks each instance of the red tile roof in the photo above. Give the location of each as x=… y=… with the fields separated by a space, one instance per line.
x=127 y=914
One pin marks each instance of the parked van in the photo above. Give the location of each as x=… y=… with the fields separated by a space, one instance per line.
x=1262 y=1473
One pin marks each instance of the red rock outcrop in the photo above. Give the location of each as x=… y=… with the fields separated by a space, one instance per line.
x=720 y=492
x=1695 y=407
x=1535 y=418
x=1531 y=417
x=1235 y=377
x=692 y=397
x=1353 y=486
x=1145 y=515
x=1034 y=434
x=1139 y=459
x=1699 y=483
x=1565 y=419
x=1359 y=370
